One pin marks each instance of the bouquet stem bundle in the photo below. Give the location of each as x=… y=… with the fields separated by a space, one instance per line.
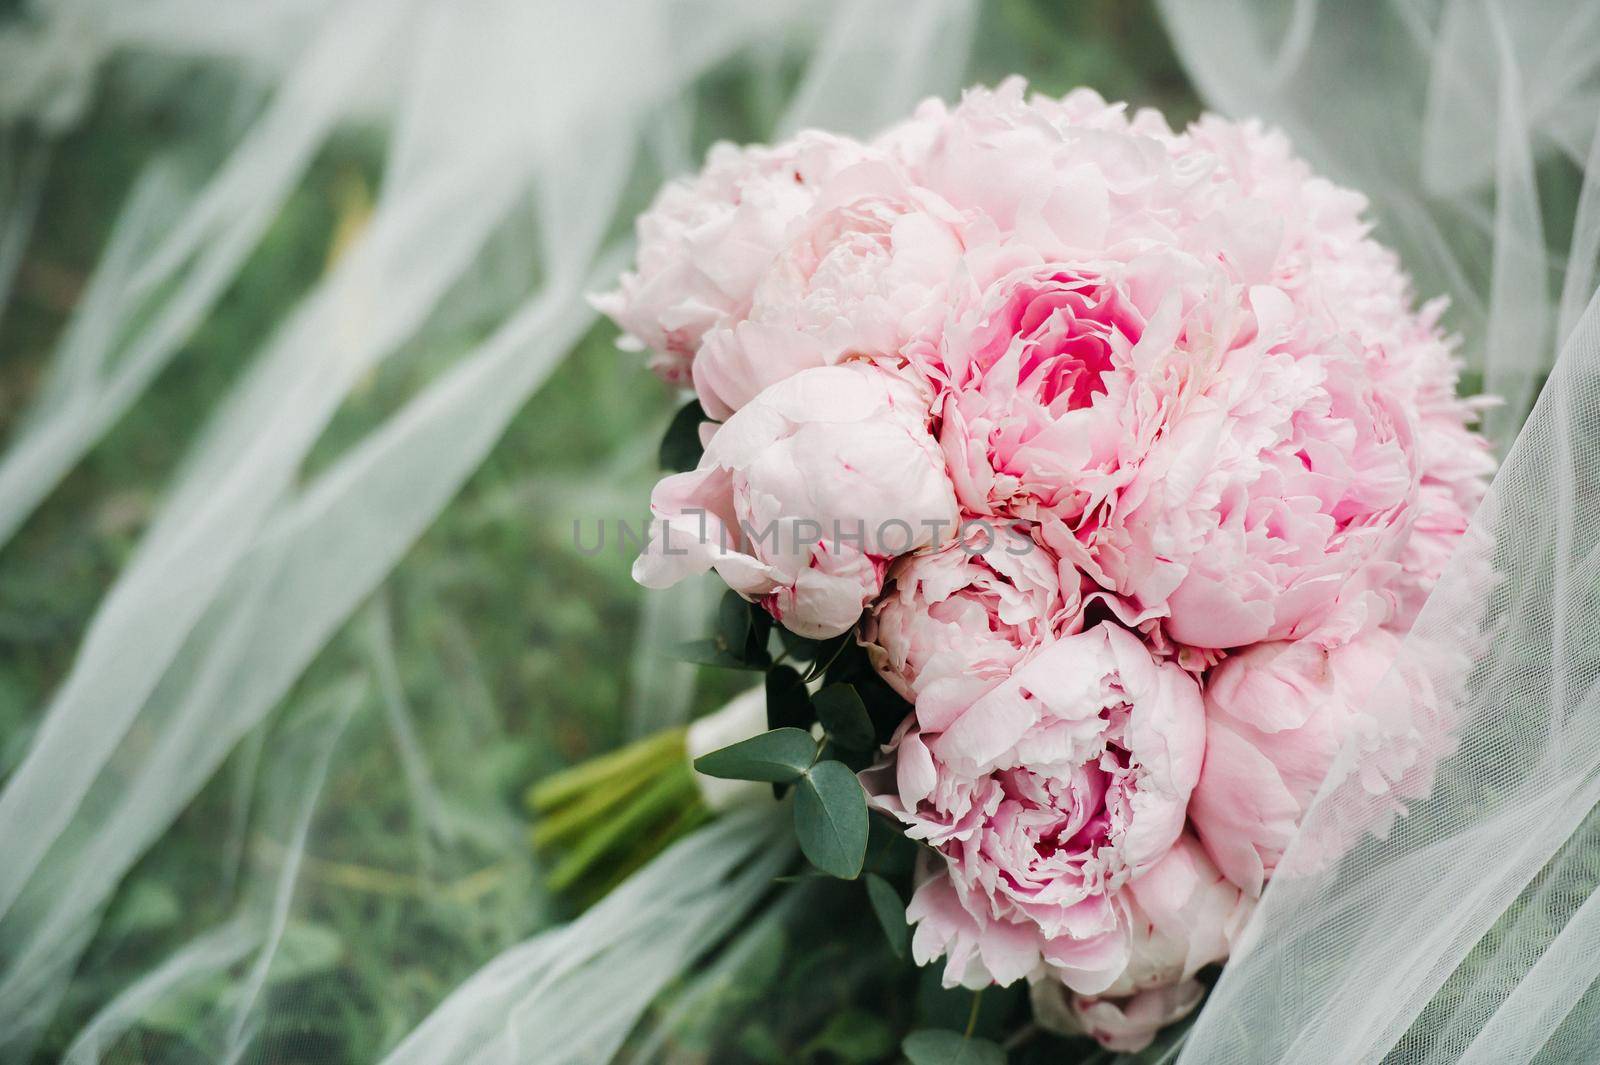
x=606 y=817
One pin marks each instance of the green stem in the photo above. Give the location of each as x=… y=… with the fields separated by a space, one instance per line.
x=559 y=824
x=585 y=777
x=671 y=792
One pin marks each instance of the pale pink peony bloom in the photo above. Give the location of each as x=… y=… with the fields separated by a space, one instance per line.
x=1456 y=466
x=1045 y=798
x=1264 y=423
x=1355 y=287
x=1281 y=478
x=1277 y=716
x=1020 y=425
x=1183 y=915
x=1126 y=1025
x=860 y=275
x=805 y=495
x=705 y=242
x=1037 y=164
x=1186 y=454
x=953 y=623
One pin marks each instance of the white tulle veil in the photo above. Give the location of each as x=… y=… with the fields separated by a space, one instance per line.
x=1469 y=932
x=248 y=641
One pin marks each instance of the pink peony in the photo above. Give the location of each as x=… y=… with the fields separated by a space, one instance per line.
x=1173 y=365
x=1021 y=428
x=1276 y=718
x=1277 y=480
x=705 y=242
x=1126 y=1025
x=1039 y=165
x=1045 y=798
x=1180 y=452
x=804 y=497
x=1198 y=370
x=953 y=623
x=1352 y=286
x=860 y=275
x=1183 y=915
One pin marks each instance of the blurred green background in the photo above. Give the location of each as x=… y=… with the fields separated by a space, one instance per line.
x=497 y=653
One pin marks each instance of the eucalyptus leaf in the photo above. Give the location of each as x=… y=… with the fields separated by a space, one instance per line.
x=755 y=648
x=936 y=1046
x=891 y=913
x=733 y=621
x=680 y=447
x=804 y=876
x=829 y=652
x=776 y=757
x=788 y=704
x=711 y=652
x=801 y=648
x=740 y=639
x=854 y=1036
x=844 y=715
x=830 y=818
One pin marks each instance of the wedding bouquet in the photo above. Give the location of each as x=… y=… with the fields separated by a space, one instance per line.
x=1077 y=505
x=1091 y=471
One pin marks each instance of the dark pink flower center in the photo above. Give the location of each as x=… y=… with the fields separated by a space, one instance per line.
x=1065 y=324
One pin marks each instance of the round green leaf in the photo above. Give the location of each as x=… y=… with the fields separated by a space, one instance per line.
x=830 y=818
x=713 y=652
x=800 y=648
x=733 y=621
x=854 y=1036
x=788 y=703
x=680 y=447
x=891 y=913
x=741 y=633
x=935 y=1046
x=777 y=757
x=844 y=715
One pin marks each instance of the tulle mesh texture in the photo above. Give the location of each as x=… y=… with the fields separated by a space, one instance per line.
x=511 y=134
x=1464 y=930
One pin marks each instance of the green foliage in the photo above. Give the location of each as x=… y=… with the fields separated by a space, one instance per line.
x=740 y=639
x=680 y=447
x=934 y=1047
x=776 y=757
x=788 y=705
x=853 y=1036
x=830 y=818
x=711 y=651
x=844 y=715
x=891 y=913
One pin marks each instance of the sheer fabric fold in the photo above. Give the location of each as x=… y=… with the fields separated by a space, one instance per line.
x=222 y=685
x=1458 y=927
